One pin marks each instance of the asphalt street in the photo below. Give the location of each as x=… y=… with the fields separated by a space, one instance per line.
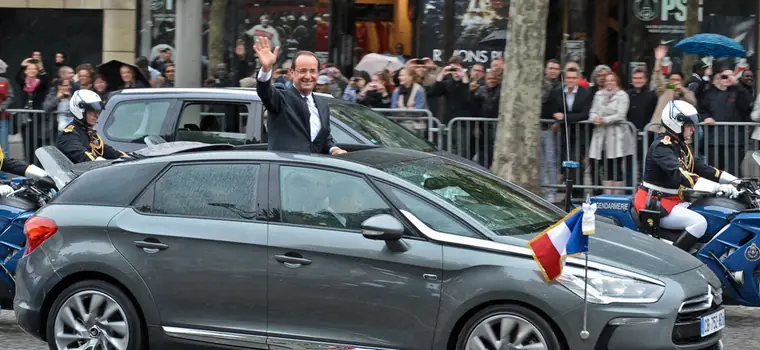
x=742 y=331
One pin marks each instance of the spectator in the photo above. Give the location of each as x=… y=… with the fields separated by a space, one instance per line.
x=337 y=81
x=700 y=79
x=548 y=165
x=128 y=75
x=488 y=97
x=400 y=53
x=168 y=76
x=84 y=74
x=34 y=90
x=220 y=77
x=242 y=67
x=355 y=85
x=147 y=71
x=7 y=97
x=643 y=104
x=570 y=105
x=673 y=89
x=164 y=57
x=748 y=82
x=60 y=59
x=453 y=85
x=477 y=75
x=248 y=82
x=611 y=140
x=598 y=77
x=727 y=101
x=409 y=94
x=323 y=84
x=376 y=93
x=57 y=103
x=582 y=82
x=100 y=86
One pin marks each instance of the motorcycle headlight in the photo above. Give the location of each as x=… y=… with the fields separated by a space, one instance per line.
x=605 y=287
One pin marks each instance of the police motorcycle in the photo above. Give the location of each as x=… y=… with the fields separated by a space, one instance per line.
x=731 y=244
x=27 y=197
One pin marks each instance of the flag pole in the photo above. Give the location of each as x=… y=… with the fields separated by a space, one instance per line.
x=584 y=332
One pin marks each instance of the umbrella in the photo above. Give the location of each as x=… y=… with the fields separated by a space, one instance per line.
x=155 y=49
x=3 y=66
x=110 y=71
x=496 y=38
x=373 y=62
x=709 y=44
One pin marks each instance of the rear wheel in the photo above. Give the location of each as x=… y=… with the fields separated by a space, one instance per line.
x=507 y=327
x=93 y=315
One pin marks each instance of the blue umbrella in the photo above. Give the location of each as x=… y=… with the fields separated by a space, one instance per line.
x=709 y=44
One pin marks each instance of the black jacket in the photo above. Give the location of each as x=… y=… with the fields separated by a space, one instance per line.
x=288 y=127
x=578 y=112
x=82 y=145
x=731 y=105
x=487 y=99
x=12 y=165
x=457 y=98
x=670 y=164
x=643 y=104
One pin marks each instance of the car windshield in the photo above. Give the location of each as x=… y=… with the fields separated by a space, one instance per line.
x=496 y=205
x=377 y=128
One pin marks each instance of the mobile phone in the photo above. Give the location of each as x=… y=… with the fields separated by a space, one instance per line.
x=451 y=70
x=419 y=61
x=724 y=76
x=671 y=86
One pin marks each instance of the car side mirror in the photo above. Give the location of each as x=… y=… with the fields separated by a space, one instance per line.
x=383 y=227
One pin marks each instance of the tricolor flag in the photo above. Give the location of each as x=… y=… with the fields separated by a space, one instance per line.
x=568 y=237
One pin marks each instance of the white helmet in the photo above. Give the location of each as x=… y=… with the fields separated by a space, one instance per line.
x=83 y=101
x=677 y=113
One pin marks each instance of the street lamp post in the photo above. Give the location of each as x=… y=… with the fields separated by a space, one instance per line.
x=187 y=55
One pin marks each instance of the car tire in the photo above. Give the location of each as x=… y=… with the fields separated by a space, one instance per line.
x=490 y=317
x=108 y=313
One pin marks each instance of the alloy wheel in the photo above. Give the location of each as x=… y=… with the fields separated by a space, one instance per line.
x=91 y=320
x=505 y=332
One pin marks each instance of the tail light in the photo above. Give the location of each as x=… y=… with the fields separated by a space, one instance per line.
x=38 y=229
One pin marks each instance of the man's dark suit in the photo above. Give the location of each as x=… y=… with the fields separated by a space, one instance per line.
x=288 y=127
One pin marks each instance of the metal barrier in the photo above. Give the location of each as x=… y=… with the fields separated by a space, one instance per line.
x=724 y=145
x=419 y=121
x=473 y=138
x=25 y=130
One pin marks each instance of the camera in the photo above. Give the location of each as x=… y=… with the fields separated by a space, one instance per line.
x=419 y=61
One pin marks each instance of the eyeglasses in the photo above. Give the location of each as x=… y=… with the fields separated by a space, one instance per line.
x=306 y=71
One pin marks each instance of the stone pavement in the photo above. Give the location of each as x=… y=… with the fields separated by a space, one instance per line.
x=742 y=331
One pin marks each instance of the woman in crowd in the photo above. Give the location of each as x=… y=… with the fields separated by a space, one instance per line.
x=58 y=102
x=376 y=94
x=612 y=139
x=100 y=86
x=355 y=86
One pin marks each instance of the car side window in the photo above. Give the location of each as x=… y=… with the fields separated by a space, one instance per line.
x=132 y=121
x=322 y=198
x=341 y=136
x=430 y=215
x=213 y=123
x=222 y=191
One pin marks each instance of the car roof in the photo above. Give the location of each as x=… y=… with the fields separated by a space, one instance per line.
x=180 y=91
x=320 y=94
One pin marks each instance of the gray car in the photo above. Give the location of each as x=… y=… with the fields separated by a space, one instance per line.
x=380 y=248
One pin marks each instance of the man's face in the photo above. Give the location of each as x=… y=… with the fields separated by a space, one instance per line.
x=92 y=118
x=221 y=70
x=59 y=58
x=552 y=70
x=676 y=80
x=571 y=80
x=169 y=72
x=126 y=73
x=492 y=79
x=477 y=72
x=639 y=80
x=305 y=70
x=265 y=21
x=37 y=55
x=166 y=55
x=66 y=73
x=748 y=77
x=323 y=88
x=85 y=77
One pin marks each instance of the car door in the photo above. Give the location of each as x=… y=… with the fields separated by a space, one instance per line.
x=126 y=123
x=197 y=240
x=327 y=283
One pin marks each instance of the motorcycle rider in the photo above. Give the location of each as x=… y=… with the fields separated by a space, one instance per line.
x=79 y=141
x=670 y=166
x=18 y=167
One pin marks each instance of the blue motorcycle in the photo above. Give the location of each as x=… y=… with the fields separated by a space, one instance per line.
x=15 y=208
x=731 y=244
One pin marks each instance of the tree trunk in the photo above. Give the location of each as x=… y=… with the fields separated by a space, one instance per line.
x=516 y=152
x=217 y=16
x=692 y=28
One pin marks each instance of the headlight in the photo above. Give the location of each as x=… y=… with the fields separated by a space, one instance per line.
x=605 y=287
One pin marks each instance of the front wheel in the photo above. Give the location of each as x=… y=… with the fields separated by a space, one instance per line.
x=507 y=327
x=93 y=315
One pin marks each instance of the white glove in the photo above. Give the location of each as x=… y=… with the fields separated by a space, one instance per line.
x=100 y=158
x=5 y=190
x=728 y=190
x=35 y=172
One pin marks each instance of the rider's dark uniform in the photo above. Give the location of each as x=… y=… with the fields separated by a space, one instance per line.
x=82 y=144
x=11 y=165
x=670 y=166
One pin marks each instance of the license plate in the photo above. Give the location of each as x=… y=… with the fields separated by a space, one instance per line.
x=713 y=323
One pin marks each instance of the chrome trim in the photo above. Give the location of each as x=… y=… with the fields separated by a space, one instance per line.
x=217 y=337
x=277 y=343
x=511 y=249
x=699 y=303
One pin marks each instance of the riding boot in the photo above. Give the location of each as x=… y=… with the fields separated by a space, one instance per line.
x=685 y=241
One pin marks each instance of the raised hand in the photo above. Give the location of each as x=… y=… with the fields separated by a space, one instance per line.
x=266 y=56
x=660 y=52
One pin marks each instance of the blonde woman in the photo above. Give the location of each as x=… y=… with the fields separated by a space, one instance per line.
x=612 y=140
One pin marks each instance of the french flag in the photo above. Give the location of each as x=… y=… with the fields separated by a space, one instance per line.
x=568 y=237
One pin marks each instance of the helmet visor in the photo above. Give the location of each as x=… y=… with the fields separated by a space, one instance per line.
x=94 y=106
x=691 y=119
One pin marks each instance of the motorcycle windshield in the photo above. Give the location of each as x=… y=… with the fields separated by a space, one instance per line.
x=56 y=164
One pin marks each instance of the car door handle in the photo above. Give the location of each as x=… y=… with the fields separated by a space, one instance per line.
x=291 y=261
x=151 y=247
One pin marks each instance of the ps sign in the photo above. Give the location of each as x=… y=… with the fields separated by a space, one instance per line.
x=666 y=10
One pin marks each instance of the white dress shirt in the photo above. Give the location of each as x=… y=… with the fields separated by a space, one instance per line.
x=570 y=97
x=315 y=124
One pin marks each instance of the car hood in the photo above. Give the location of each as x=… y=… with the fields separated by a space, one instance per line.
x=629 y=250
